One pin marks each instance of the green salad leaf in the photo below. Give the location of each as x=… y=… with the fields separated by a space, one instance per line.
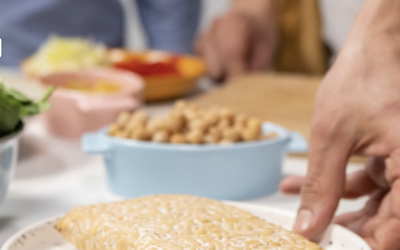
x=14 y=106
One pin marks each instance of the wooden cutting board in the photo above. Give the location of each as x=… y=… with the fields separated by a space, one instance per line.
x=280 y=98
x=285 y=99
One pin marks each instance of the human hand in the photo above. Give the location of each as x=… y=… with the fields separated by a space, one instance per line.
x=377 y=222
x=357 y=112
x=238 y=42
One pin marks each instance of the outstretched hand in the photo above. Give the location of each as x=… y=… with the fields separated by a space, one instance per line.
x=378 y=221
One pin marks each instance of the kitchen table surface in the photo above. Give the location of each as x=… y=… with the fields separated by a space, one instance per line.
x=53 y=175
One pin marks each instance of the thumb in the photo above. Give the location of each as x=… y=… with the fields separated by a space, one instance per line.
x=325 y=180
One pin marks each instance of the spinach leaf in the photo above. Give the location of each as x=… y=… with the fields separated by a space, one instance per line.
x=14 y=106
x=9 y=114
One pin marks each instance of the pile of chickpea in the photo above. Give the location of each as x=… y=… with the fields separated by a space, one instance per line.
x=188 y=123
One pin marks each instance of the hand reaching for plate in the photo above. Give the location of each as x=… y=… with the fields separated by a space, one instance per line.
x=357 y=112
x=378 y=221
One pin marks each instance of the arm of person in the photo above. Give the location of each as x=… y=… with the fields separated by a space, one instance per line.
x=357 y=112
x=244 y=39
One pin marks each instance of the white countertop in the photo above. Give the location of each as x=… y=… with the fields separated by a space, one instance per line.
x=53 y=175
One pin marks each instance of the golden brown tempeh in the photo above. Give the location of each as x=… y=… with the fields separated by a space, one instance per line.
x=174 y=222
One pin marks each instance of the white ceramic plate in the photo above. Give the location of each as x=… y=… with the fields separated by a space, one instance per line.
x=43 y=236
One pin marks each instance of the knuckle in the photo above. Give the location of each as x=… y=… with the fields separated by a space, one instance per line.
x=312 y=187
x=330 y=127
x=322 y=135
x=314 y=190
x=320 y=126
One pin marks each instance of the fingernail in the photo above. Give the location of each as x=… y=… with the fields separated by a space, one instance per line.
x=303 y=221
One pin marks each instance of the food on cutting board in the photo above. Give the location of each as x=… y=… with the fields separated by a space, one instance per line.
x=166 y=75
x=97 y=87
x=174 y=222
x=14 y=106
x=154 y=63
x=188 y=123
x=59 y=54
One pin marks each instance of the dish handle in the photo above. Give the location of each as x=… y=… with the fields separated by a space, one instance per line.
x=94 y=143
x=298 y=144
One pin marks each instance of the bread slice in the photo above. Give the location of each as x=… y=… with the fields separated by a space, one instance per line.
x=175 y=222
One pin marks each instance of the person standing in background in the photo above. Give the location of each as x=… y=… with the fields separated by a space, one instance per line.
x=24 y=25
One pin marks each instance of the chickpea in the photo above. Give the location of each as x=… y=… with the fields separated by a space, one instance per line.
x=190 y=114
x=194 y=136
x=237 y=129
x=139 y=118
x=122 y=134
x=240 y=120
x=176 y=114
x=250 y=134
x=223 y=124
x=254 y=123
x=226 y=113
x=140 y=115
x=134 y=123
x=139 y=133
x=197 y=124
x=178 y=139
x=211 y=118
x=226 y=142
x=210 y=139
x=215 y=132
x=231 y=135
x=187 y=123
x=180 y=104
x=130 y=125
x=174 y=123
x=157 y=123
x=123 y=119
x=160 y=136
x=113 y=129
x=136 y=119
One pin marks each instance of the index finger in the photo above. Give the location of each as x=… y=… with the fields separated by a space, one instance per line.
x=324 y=184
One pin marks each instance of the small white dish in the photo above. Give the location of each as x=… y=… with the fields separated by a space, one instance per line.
x=44 y=236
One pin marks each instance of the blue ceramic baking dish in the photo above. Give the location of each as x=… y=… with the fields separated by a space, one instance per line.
x=231 y=172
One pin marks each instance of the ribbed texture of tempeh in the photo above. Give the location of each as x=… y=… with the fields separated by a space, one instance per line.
x=174 y=222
